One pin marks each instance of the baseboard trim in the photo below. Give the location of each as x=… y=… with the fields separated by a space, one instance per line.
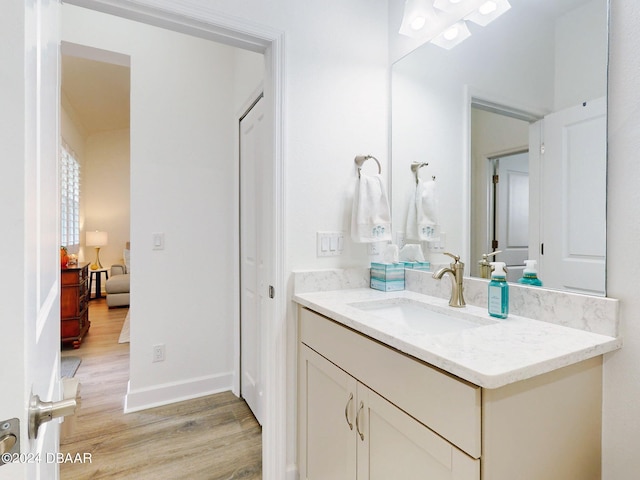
x=164 y=394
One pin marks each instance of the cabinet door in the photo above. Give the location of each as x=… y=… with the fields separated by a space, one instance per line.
x=391 y=444
x=327 y=446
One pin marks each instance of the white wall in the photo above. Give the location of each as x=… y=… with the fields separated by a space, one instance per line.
x=105 y=193
x=580 y=55
x=622 y=375
x=248 y=73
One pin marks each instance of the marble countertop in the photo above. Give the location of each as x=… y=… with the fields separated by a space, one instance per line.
x=490 y=356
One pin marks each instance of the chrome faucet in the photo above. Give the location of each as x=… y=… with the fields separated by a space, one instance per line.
x=456 y=272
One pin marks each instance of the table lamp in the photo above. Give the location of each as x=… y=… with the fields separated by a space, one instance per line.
x=96 y=239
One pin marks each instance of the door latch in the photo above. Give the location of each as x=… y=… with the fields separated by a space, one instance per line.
x=9 y=439
x=272 y=291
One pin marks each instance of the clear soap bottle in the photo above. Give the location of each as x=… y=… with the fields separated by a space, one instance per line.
x=498 y=292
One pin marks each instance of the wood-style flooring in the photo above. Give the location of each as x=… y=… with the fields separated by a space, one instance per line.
x=210 y=438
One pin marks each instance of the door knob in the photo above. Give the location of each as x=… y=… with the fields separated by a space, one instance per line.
x=41 y=412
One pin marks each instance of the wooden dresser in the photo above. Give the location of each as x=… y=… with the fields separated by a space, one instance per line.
x=74 y=304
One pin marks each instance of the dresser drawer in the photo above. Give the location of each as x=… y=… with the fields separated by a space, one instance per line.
x=447 y=405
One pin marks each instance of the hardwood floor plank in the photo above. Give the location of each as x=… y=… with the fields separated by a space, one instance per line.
x=210 y=438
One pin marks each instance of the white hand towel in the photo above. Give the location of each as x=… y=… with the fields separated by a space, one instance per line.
x=371 y=216
x=411 y=230
x=422 y=214
x=427 y=210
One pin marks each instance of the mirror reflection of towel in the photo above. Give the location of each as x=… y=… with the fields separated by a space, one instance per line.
x=371 y=216
x=422 y=217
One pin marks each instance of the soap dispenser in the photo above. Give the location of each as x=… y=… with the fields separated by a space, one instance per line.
x=530 y=275
x=498 y=294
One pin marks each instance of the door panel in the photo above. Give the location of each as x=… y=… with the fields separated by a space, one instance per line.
x=252 y=265
x=573 y=199
x=396 y=445
x=30 y=303
x=327 y=403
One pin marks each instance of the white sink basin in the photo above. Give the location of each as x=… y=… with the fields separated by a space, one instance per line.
x=411 y=316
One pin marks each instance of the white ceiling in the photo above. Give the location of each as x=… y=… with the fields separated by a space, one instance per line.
x=98 y=93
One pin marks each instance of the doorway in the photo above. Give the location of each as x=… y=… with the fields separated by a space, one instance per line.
x=509 y=222
x=270 y=43
x=497 y=135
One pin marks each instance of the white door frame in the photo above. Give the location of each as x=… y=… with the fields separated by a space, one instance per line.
x=206 y=23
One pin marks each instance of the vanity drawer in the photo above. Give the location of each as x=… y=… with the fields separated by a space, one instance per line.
x=447 y=405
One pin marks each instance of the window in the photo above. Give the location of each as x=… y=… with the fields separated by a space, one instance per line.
x=69 y=198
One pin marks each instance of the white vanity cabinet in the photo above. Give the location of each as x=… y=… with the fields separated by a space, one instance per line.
x=348 y=431
x=368 y=411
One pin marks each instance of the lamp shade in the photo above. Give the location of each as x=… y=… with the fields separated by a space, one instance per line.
x=96 y=239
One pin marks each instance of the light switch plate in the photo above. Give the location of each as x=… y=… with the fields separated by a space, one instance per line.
x=158 y=241
x=329 y=244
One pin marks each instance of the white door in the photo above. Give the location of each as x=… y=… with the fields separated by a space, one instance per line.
x=252 y=255
x=30 y=285
x=574 y=177
x=512 y=212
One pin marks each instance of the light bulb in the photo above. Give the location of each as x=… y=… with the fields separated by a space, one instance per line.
x=418 y=23
x=488 y=7
x=451 y=32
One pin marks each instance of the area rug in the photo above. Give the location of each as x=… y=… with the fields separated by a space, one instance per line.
x=69 y=366
x=124 y=333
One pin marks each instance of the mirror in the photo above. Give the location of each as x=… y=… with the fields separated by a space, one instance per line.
x=523 y=98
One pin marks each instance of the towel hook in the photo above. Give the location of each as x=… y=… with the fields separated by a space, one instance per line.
x=360 y=159
x=416 y=166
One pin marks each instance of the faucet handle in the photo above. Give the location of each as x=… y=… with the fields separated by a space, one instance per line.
x=485 y=256
x=455 y=257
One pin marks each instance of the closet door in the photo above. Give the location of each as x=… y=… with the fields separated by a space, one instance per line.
x=391 y=444
x=327 y=398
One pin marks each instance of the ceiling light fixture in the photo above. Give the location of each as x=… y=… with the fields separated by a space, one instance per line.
x=489 y=11
x=452 y=36
x=417 y=13
x=443 y=22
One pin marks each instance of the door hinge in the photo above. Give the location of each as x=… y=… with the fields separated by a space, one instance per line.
x=272 y=291
x=542 y=249
x=496 y=179
x=494 y=244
